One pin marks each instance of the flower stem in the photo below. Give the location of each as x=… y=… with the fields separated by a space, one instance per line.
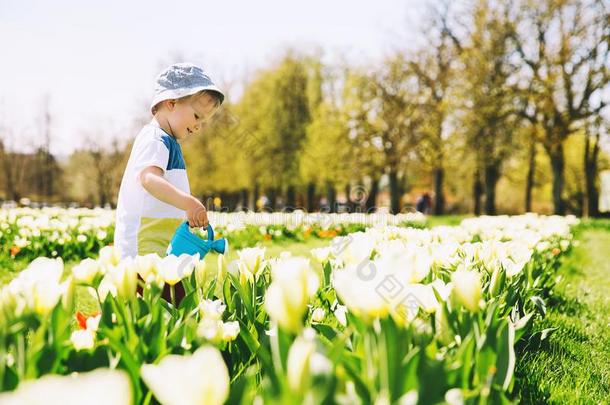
x=172 y=294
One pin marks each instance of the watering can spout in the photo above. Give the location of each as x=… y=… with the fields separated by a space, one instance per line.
x=185 y=242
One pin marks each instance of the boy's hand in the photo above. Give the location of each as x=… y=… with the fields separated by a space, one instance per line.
x=196 y=213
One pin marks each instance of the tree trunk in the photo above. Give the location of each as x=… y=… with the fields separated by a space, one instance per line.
x=331 y=197
x=557 y=166
x=290 y=199
x=531 y=171
x=477 y=191
x=439 y=196
x=394 y=192
x=255 y=197
x=272 y=199
x=492 y=174
x=311 y=196
x=243 y=199
x=348 y=198
x=10 y=187
x=371 y=199
x=591 y=194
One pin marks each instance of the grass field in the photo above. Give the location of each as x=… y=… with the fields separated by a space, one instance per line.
x=572 y=366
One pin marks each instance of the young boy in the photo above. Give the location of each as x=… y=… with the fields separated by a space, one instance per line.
x=154 y=197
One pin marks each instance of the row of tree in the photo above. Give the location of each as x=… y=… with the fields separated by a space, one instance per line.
x=492 y=86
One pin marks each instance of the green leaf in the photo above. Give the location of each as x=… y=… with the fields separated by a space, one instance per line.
x=325 y=330
x=505 y=364
x=539 y=304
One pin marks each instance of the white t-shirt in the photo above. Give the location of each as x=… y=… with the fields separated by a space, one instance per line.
x=152 y=147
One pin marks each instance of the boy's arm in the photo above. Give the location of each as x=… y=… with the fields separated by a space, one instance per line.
x=153 y=181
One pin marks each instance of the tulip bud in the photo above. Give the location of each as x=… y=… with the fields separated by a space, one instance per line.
x=318 y=315
x=497 y=281
x=467 y=288
x=298 y=367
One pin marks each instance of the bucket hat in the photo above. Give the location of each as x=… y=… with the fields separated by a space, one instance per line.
x=181 y=80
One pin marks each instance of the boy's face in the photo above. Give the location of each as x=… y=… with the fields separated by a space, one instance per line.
x=187 y=117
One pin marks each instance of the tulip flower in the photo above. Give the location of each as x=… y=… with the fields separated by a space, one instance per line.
x=124 y=278
x=298 y=364
x=197 y=379
x=252 y=259
x=318 y=315
x=99 y=387
x=467 y=288
x=293 y=283
x=175 y=268
x=110 y=255
x=86 y=271
x=83 y=339
x=356 y=285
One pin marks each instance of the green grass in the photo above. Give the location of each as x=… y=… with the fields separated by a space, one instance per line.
x=449 y=220
x=573 y=364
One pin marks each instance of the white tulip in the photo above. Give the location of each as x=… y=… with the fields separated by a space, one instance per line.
x=93 y=322
x=175 y=268
x=293 y=283
x=148 y=267
x=204 y=274
x=252 y=258
x=106 y=287
x=341 y=314
x=467 y=288
x=230 y=330
x=454 y=396
x=211 y=330
x=212 y=309
x=321 y=255
x=197 y=379
x=318 y=315
x=83 y=339
x=86 y=271
x=37 y=288
x=99 y=387
x=298 y=363
x=110 y=255
x=357 y=286
x=47 y=296
x=124 y=278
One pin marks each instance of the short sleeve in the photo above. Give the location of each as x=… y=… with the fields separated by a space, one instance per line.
x=151 y=151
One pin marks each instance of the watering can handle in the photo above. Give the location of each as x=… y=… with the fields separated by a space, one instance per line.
x=209 y=230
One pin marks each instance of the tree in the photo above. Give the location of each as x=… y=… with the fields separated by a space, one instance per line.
x=367 y=158
x=217 y=162
x=490 y=111
x=326 y=155
x=434 y=68
x=564 y=47
x=273 y=114
x=394 y=119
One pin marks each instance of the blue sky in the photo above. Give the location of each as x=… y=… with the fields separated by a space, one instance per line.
x=97 y=61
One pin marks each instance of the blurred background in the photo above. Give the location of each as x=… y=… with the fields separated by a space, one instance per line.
x=346 y=106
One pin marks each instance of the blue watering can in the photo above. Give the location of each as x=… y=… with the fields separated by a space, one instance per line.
x=184 y=241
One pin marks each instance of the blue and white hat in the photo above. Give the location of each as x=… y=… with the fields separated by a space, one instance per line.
x=181 y=80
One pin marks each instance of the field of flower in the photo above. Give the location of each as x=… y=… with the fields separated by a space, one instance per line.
x=385 y=314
